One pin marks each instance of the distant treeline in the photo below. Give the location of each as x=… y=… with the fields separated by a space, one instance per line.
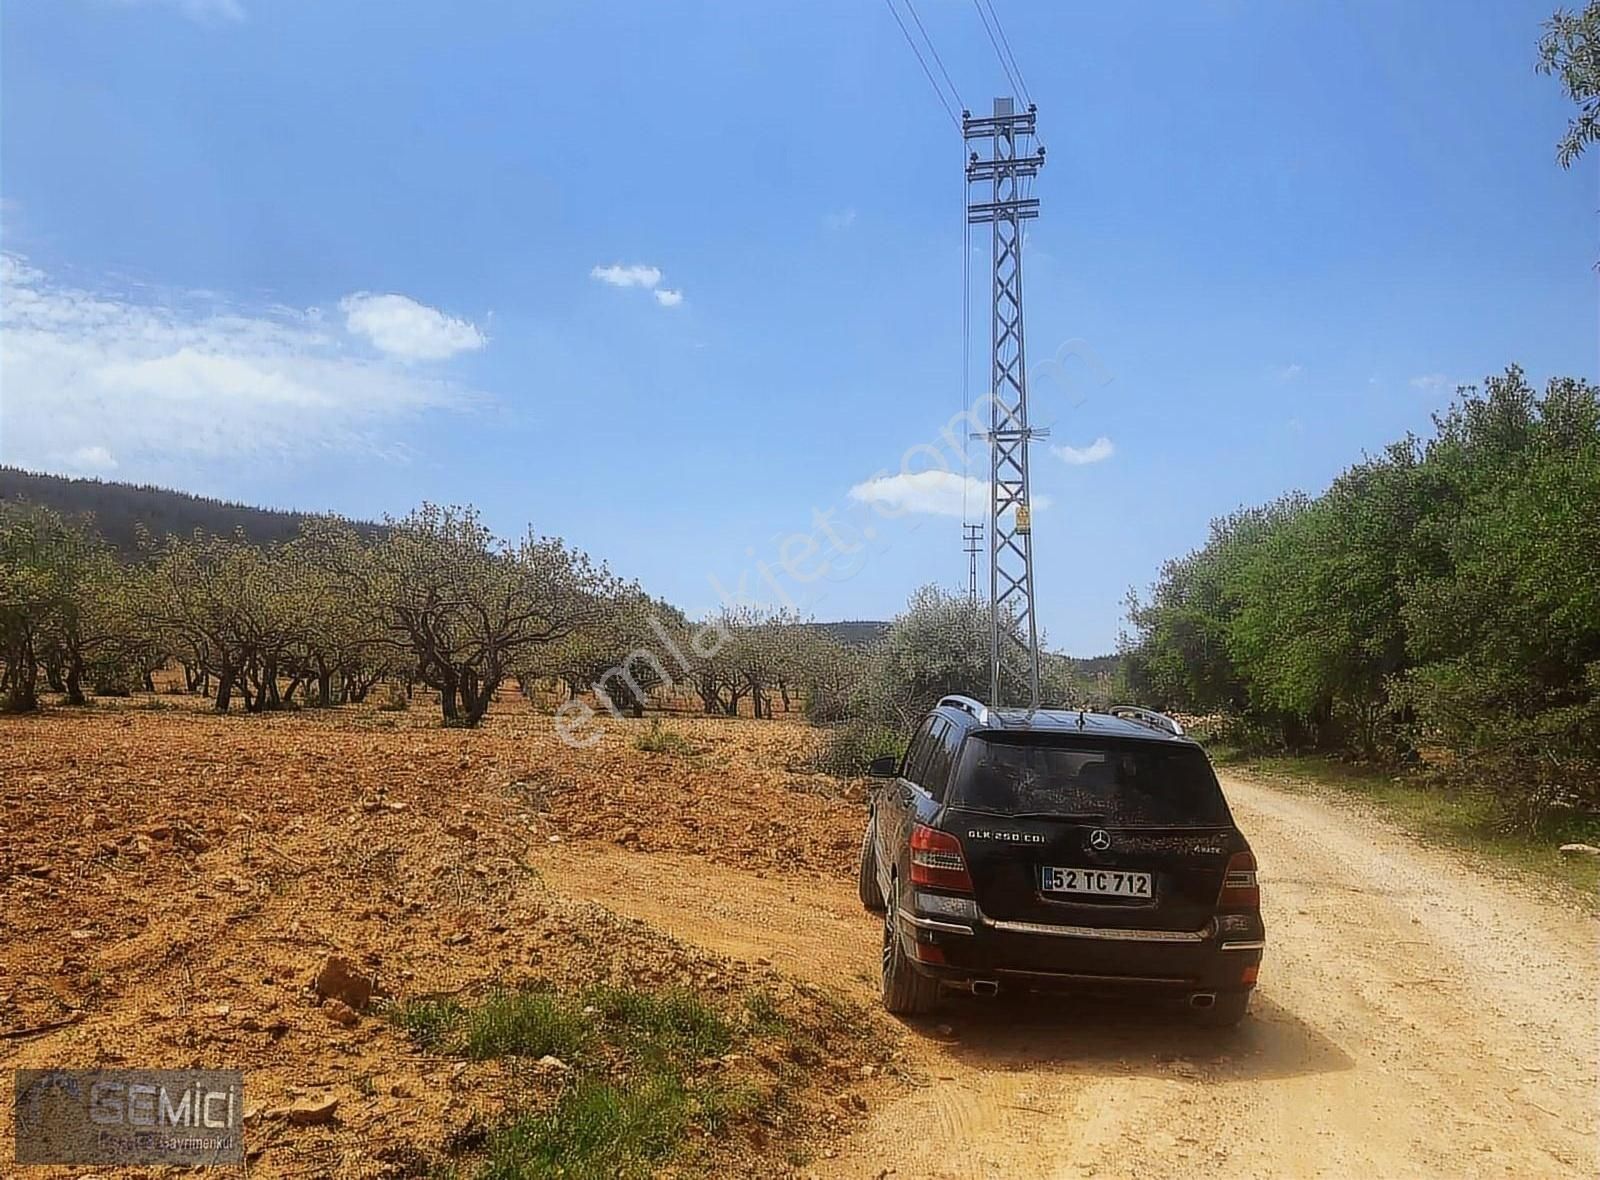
x=1441 y=600
x=119 y=511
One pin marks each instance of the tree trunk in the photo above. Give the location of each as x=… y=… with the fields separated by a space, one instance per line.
x=24 y=676
x=478 y=701
x=74 y=682
x=267 y=695
x=225 y=679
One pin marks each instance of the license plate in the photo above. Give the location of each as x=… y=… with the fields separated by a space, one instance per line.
x=1100 y=882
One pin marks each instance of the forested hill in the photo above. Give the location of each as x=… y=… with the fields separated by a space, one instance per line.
x=118 y=508
x=853 y=632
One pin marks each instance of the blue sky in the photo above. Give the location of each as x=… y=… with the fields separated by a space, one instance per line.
x=669 y=279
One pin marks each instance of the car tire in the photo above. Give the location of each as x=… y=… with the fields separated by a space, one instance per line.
x=867 y=883
x=1226 y=1012
x=906 y=992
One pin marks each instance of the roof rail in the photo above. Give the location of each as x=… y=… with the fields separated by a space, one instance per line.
x=976 y=708
x=1147 y=717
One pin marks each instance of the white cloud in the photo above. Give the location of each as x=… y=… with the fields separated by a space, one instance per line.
x=92 y=458
x=201 y=10
x=404 y=328
x=1097 y=451
x=844 y=219
x=932 y=493
x=647 y=277
x=627 y=276
x=1288 y=372
x=1431 y=382
x=154 y=383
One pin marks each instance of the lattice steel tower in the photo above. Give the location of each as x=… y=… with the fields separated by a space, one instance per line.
x=1003 y=180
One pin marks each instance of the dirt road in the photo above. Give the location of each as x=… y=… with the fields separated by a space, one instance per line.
x=1415 y=1018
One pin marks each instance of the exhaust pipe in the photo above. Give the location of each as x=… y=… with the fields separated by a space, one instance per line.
x=1203 y=999
x=985 y=987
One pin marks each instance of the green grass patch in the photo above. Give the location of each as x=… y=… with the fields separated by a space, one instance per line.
x=640 y=1094
x=431 y=1022
x=658 y=739
x=1451 y=816
x=596 y=1130
x=674 y=1026
x=527 y=1024
x=762 y=1014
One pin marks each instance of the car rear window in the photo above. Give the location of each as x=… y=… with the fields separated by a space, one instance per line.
x=1128 y=784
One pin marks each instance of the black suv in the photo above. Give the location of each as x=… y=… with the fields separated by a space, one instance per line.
x=1059 y=850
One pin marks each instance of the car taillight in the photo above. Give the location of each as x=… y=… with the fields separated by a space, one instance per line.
x=1239 y=888
x=936 y=860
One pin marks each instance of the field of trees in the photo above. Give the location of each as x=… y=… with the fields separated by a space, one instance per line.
x=434 y=600
x=1439 y=602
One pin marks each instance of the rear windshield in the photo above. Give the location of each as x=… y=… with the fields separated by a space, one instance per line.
x=1129 y=784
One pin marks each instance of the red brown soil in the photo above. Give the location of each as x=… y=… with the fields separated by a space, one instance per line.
x=171 y=880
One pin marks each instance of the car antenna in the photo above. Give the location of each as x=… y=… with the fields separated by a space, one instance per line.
x=1080 y=716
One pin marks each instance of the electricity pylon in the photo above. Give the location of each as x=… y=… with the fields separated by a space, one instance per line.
x=971 y=535
x=1003 y=181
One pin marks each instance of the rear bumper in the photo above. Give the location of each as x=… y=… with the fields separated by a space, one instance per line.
x=1031 y=956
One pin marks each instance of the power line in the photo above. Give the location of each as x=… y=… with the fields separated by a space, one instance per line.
x=927 y=73
x=966 y=339
x=1006 y=41
x=999 y=56
x=911 y=8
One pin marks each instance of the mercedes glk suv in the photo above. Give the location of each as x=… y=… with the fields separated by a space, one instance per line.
x=1016 y=851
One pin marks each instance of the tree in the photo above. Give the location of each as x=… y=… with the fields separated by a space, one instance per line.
x=1570 y=49
x=465 y=606
x=1444 y=594
x=614 y=652
x=1503 y=624
x=30 y=595
x=1180 y=657
x=60 y=604
x=937 y=646
x=333 y=646
x=221 y=602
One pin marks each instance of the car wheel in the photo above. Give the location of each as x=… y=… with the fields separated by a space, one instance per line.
x=905 y=991
x=1226 y=1012
x=867 y=885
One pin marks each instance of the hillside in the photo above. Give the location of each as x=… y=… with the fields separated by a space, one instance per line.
x=854 y=632
x=118 y=508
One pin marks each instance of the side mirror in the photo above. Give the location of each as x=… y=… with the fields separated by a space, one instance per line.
x=884 y=766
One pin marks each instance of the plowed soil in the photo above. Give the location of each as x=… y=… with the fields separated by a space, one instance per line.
x=170 y=880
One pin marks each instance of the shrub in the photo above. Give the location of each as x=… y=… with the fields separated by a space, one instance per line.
x=847 y=750
x=661 y=740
